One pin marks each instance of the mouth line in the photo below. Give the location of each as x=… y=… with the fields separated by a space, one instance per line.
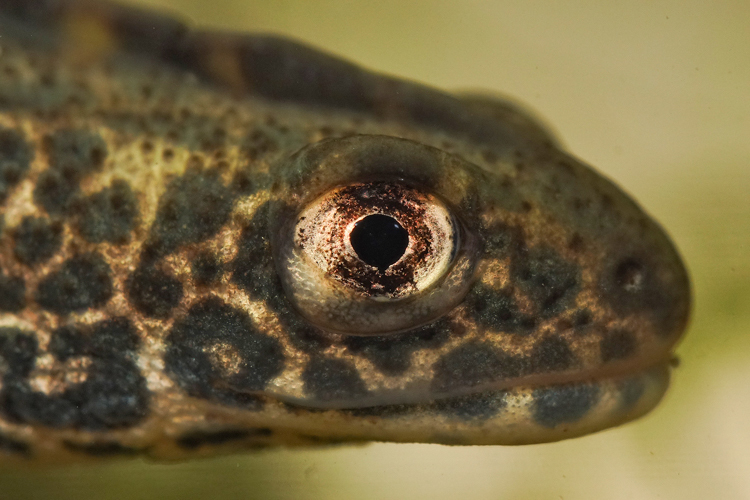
x=398 y=398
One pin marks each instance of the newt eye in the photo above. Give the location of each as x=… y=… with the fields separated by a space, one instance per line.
x=382 y=241
x=375 y=258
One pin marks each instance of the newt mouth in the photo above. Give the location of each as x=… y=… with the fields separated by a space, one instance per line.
x=514 y=416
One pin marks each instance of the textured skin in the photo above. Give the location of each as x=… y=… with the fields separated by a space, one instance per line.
x=146 y=172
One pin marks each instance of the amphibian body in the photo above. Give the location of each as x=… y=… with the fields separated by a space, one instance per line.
x=215 y=241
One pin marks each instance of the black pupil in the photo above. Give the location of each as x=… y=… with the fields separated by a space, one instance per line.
x=379 y=240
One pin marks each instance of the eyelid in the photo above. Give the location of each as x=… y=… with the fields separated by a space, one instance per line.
x=319 y=167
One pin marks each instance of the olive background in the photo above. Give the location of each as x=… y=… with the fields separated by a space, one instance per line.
x=655 y=94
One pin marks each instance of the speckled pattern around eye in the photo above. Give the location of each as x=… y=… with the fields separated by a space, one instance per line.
x=151 y=303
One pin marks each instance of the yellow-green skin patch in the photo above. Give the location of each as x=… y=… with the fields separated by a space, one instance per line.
x=145 y=172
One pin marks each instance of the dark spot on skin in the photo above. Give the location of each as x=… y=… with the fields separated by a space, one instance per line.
x=206 y=269
x=12 y=446
x=55 y=191
x=36 y=240
x=102 y=449
x=580 y=204
x=501 y=240
x=10 y=71
x=551 y=282
x=489 y=156
x=12 y=293
x=15 y=157
x=576 y=243
x=17 y=349
x=73 y=154
x=631 y=391
x=563 y=404
x=198 y=439
x=243 y=183
x=255 y=357
x=119 y=337
x=497 y=310
x=67 y=342
x=153 y=292
x=82 y=282
x=253 y=268
x=219 y=133
x=172 y=135
x=480 y=406
x=78 y=149
x=392 y=353
x=582 y=320
x=108 y=215
x=210 y=140
x=193 y=208
x=254 y=244
x=473 y=364
x=567 y=167
x=195 y=164
x=332 y=379
x=113 y=394
x=258 y=144
x=301 y=334
x=551 y=354
x=617 y=344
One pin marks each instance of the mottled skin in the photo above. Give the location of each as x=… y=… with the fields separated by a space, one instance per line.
x=148 y=174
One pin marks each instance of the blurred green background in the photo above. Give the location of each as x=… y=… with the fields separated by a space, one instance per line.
x=656 y=94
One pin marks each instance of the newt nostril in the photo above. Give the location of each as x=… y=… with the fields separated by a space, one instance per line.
x=630 y=275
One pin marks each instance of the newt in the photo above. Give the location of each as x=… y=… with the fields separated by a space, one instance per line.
x=214 y=242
